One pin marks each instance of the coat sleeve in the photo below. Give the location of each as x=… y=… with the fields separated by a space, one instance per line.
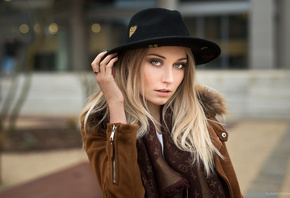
x=224 y=166
x=113 y=157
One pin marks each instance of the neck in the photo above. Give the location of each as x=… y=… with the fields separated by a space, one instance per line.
x=155 y=112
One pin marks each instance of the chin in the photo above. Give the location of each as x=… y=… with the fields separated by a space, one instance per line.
x=161 y=102
x=158 y=101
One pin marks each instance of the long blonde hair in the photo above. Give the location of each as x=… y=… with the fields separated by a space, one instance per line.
x=189 y=123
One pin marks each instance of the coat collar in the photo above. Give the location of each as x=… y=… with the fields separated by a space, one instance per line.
x=213 y=102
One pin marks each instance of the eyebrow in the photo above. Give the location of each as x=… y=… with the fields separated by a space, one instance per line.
x=165 y=57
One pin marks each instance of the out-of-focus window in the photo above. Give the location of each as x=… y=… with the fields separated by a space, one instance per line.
x=230 y=32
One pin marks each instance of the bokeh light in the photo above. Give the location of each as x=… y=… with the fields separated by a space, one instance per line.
x=23 y=28
x=96 y=28
x=53 y=28
x=37 y=28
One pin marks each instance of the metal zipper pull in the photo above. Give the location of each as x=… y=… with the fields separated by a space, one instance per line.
x=113 y=133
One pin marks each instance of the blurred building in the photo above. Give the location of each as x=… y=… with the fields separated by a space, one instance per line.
x=64 y=36
x=252 y=33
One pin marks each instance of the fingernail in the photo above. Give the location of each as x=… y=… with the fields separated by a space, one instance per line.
x=105 y=50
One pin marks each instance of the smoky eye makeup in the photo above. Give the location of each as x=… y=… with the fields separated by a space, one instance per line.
x=155 y=61
x=180 y=65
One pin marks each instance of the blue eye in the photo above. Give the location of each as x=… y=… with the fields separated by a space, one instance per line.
x=155 y=62
x=179 y=65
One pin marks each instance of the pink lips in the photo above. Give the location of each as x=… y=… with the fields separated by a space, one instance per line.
x=163 y=92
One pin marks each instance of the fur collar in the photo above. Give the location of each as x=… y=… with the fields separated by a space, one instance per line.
x=212 y=101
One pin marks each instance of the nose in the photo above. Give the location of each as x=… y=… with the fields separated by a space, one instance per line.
x=168 y=75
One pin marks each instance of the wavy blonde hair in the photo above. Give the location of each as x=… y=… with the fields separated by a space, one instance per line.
x=189 y=123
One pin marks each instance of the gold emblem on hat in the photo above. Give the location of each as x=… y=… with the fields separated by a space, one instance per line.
x=132 y=30
x=153 y=46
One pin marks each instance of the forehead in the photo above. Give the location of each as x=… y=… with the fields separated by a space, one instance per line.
x=168 y=51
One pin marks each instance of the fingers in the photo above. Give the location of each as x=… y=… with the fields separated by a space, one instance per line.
x=107 y=63
x=96 y=61
x=104 y=65
x=110 y=66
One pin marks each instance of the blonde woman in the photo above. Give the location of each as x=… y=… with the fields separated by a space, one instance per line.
x=150 y=131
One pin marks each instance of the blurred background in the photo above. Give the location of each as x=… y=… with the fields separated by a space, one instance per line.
x=46 y=47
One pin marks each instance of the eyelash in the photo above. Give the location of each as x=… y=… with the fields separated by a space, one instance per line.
x=155 y=63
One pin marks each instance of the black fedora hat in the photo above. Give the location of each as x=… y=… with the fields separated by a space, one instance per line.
x=156 y=27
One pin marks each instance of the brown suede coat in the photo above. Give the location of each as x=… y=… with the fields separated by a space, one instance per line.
x=115 y=163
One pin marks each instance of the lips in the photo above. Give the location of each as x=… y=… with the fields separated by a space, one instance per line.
x=163 y=92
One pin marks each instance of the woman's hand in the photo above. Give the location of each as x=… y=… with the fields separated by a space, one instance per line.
x=103 y=69
x=104 y=75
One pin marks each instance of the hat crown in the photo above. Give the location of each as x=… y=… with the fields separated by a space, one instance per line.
x=155 y=23
x=157 y=27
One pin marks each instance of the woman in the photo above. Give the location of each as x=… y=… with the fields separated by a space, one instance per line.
x=150 y=131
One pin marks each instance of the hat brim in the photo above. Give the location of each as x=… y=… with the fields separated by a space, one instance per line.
x=203 y=50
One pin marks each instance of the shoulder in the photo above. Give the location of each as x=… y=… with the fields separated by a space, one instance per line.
x=96 y=121
x=216 y=129
x=213 y=104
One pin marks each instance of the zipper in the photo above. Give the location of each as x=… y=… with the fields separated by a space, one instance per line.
x=113 y=155
x=185 y=193
x=113 y=133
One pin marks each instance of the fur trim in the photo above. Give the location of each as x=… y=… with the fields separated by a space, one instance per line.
x=212 y=102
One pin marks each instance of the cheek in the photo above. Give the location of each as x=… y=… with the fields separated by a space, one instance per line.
x=148 y=75
x=144 y=79
x=179 y=78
